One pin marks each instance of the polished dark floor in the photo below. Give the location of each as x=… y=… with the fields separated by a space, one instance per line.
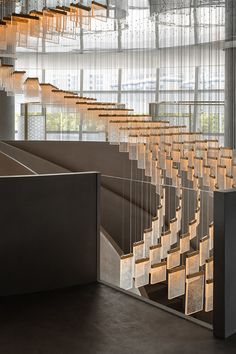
x=96 y=319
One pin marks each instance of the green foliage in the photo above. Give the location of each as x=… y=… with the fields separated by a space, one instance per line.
x=71 y=122
x=211 y=122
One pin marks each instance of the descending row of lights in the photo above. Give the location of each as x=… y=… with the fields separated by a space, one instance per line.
x=22 y=29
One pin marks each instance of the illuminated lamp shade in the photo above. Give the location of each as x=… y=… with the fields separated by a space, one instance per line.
x=141 y=156
x=113 y=133
x=70 y=25
x=147 y=238
x=22 y=23
x=163 y=158
x=173 y=258
x=59 y=20
x=169 y=165
x=138 y=250
x=133 y=147
x=160 y=214
x=80 y=14
x=197 y=215
x=204 y=250
x=226 y=152
x=221 y=177
x=156 y=230
x=154 y=172
x=194 y=293
x=45 y=23
x=213 y=162
x=190 y=156
x=99 y=10
x=211 y=236
x=165 y=243
x=227 y=161
x=198 y=166
x=14 y=84
x=163 y=202
x=158 y=273
x=46 y=92
x=176 y=155
x=193 y=229
x=209 y=295
x=209 y=268
x=155 y=254
x=178 y=185
x=175 y=179
x=192 y=262
x=229 y=182
x=176 y=282
x=32 y=88
x=11 y=35
x=195 y=182
x=212 y=183
x=3 y=35
x=49 y=21
x=174 y=231
x=5 y=73
x=179 y=217
x=190 y=173
x=206 y=175
x=141 y=272
x=148 y=167
x=30 y=24
x=213 y=152
x=160 y=178
x=126 y=271
x=184 y=243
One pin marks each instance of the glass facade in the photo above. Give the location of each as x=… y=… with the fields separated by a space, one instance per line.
x=145 y=56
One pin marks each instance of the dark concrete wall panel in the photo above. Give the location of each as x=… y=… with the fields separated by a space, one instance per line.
x=224 y=264
x=49 y=232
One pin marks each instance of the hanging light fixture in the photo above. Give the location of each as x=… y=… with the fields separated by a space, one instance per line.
x=138 y=250
x=3 y=35
x=194 y=293
x=156 y=230
x=193 y=229
x=80 y=14
x=5 y=73
x=147 y=238
x=184 y=243
x=14 y=83
x=176 y=282
x=192 y=262
x=99 y=10
x=209 y=295
x=165 y=243
x=32 y=89
x=141 y=156
x=126 y=271
x=211 y=236
x=174 y=231
x=155 y=254
x=206 y=175
x=173 y=258
x=204 y=250
x=158 y=273
x=141 y=272
x=46 y=92
x=209 y=268
x=221 y=177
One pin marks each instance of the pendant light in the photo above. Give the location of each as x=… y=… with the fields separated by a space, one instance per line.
x=194 y=293
x=176 y=282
